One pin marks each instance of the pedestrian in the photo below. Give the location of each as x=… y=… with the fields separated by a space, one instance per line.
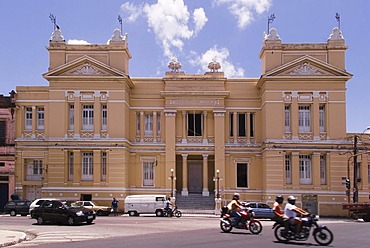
x=115 y=206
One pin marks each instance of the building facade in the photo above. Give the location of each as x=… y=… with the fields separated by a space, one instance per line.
x=7 y=148
x=96 y=133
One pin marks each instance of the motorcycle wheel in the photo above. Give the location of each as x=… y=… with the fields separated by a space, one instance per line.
x=225 y=225
x=279 y=234
x=178 y=214
x=323 y=236
x=255 y=227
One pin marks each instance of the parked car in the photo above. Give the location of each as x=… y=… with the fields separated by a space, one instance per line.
x=261 y=210
x=56 y=211
x=100 y=210
x=17 y=207
x=36 y=203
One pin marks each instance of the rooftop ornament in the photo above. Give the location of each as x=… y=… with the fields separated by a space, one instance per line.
x=336 y=35
x=272 y=36
x=117 y=37
x=174 y=65
x=57 y=36
x=214 y=66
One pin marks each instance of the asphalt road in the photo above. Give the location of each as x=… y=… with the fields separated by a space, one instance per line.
x=157 y=232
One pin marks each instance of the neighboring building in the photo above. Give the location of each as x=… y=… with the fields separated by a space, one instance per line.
x=7 y=149
x=95 y=132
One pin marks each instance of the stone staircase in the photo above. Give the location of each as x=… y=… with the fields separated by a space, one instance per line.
x=195 y=202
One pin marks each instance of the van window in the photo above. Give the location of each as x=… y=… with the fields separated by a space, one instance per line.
x=159 y=199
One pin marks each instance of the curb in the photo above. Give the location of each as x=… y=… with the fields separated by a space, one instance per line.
x=22 y=237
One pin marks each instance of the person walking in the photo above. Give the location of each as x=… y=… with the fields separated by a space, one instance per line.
x=115 y=206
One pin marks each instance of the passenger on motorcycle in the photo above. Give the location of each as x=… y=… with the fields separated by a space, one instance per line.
x=291 y=211
x=234 y=208
x=278 y=211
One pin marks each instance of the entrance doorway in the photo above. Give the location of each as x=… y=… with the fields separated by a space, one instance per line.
x=195 y=176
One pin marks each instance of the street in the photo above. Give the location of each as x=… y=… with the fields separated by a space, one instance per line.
x=150 y=231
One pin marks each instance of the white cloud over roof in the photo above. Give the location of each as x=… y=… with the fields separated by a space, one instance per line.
x=243 y=9
x=77 y=42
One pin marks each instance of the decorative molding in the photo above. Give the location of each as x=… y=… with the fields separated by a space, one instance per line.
x=305 y=69
x=86 y=69
x=191 y=102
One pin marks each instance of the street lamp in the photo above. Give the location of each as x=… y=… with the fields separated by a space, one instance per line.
x=172 y=178
x=217 y=180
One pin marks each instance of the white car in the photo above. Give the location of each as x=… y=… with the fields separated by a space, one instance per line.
x=36 y=203
x=100 y=210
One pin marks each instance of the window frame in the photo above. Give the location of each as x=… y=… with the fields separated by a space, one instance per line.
x=88 y=117
x=305 y=169
x=28 y=118
x=87 y=167
x=242 y=180
x=148 y=171
x=40 y=123
x=304 y=118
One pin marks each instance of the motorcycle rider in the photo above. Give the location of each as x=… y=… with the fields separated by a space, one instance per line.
x=234 y=208
x=279 y=213
x=291 y=211
x=169 y=205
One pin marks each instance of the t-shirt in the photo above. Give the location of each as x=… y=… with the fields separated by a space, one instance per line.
x=233 y=205
x=277 y=208
x=288 y=211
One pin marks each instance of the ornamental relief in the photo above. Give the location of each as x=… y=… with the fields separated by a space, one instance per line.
x=193 y=102
x=305 y=69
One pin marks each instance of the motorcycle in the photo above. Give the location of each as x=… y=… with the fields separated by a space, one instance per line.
x=172 y=212
x=247 y=221
x=322 y=234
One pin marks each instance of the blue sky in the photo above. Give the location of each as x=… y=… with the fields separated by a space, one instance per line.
x=194 y=31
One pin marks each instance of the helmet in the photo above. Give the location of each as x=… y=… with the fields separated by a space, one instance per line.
x=236 y=196
x=291 y=199
x=279 y=199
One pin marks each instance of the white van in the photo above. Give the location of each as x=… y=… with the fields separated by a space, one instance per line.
x=145 y=204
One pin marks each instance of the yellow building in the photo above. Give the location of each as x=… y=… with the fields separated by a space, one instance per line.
x=95 y=133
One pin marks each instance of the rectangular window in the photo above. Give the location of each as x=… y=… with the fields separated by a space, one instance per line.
x=33 y=169
x=70 y=166
x=71 y=119
x=88 y=117
x=322 y=118
x=231 y=122
x=304 y=119
x=305 y=169
x=148 y=124
x=242 y=125
x=87 y=166
x=2 y=132
x=158 y=123
x=287 y=118
x=242 y=175
x=251 y=124
x=148 y=173
x=40 y=118
x=323 y=169
x=194 y=124
x=138 y=123
x=28 y=118
x=288 y=169
x=104 y=166
x=104 y=117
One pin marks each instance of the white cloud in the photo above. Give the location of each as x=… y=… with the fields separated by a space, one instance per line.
x=170 y=22
x=243 y=9
x=133 y=12
x=221 y=55
x=77 y=42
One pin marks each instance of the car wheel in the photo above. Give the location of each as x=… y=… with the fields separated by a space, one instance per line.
x=40 y=220
x=70 y=221
x=89 y=221
x=13 y=213
x=99 y=213
x=159 y=213
x=132 y=213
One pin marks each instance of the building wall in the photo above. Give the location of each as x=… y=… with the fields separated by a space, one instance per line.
x=148 y=136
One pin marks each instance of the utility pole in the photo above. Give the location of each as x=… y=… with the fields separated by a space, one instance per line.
x=355 y=168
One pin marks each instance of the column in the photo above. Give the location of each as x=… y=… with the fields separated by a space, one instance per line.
x=316 y=179
x=97 y=168
x=141 y=126
x=34 y=120
x=248 y=127
x=184 y=140
x=235 y=127
x=205 y=175
x=155 y=126
x=97 y=115
x=220 y=144
x=364 y=185
x=294 y=116
x=77 y=167
x=295 y=170
x=205 y=140
x=170 y=136
x=184 y=175
x=315 y=113
x=77 y=115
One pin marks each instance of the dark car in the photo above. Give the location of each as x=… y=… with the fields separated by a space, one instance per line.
x=261 y=210
x=17 y=207
x=62 y=212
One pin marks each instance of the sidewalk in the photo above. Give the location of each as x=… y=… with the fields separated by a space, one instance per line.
x=8 y=238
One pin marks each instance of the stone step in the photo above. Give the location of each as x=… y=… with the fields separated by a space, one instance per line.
x=195 y=201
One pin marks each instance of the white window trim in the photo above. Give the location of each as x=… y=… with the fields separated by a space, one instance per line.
x=88 y=121
x=304 y=118
x=148 y=181
x=28 y=118
x=40 y=118
x=148 y=124
x=87 y=170
x=305 y=175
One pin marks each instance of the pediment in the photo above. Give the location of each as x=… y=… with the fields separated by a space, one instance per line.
x=307 y=66
x=84 y=67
